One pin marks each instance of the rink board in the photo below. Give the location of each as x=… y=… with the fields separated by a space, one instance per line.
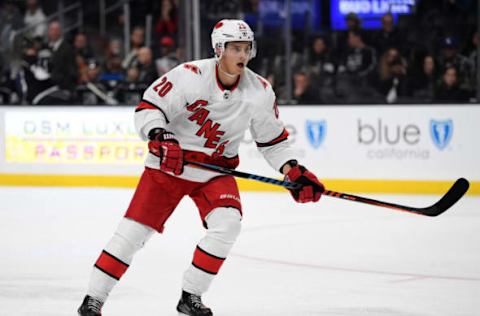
x=390 y=149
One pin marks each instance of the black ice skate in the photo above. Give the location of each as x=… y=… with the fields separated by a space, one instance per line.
x=90 y=307
x=191 y=305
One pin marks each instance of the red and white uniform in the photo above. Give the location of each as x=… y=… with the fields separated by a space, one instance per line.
x=209 y=123
x=190 y=102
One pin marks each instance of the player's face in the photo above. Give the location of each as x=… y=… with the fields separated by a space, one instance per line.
x=235 y=57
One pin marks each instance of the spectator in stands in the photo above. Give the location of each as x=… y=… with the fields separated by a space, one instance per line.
x=92 y=91
x=148 y=72
x=388 y=36
x=280 y=90
x=7 y=85
x=393 y=83
x=423 y=83
x=11 y=15
x=113 y=73
x=114 y=50
x=62 y=65
x=36 y=84
x=82 y=54
x=10 y=20
x=353 y=23
x=321 y=62
x=359 y=59
x=167 y=24
x=450 y=57
x=168 y=57
x=472 y=58
x=303 y=92
x=137 y=40
x=471 y=49
x=449 y=90
x=93 y=71
x=385 y=61
x=81 y=46
x=133 y=76
x=355 y=70
x=35 y=19
x=130 y=91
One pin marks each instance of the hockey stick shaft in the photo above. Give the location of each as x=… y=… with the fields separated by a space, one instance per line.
x=244 y=175
x=458 y=189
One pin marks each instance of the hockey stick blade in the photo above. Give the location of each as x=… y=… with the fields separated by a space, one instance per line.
x=458 y=189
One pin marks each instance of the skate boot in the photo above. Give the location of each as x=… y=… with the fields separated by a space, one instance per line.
x=191 y=305
x=90 y=307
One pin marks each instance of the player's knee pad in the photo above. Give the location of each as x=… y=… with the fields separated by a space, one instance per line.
x=129 y=237
x=224 y=224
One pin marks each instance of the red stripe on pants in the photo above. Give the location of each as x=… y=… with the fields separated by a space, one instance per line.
x=207 y=262
x=111 y=265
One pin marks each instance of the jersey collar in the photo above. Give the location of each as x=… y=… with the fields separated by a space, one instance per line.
x=221 y=86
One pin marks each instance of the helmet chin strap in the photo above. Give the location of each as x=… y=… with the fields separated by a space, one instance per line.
x=225 y=72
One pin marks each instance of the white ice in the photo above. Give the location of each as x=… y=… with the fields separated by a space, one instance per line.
x=332 y=258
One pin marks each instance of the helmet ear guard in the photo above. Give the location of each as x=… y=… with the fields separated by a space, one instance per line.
x=219 y=49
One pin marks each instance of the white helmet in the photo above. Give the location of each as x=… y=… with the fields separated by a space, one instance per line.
x=231 y=31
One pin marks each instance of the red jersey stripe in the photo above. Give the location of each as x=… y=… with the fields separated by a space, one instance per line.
x=283 y=136
x=145 y=105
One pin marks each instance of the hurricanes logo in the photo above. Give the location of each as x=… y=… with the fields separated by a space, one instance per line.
x=209 y=129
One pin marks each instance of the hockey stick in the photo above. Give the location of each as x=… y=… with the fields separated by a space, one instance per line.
x=458 y=189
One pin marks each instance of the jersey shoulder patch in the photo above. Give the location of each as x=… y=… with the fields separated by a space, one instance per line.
x=192 y=68
x=263 y=81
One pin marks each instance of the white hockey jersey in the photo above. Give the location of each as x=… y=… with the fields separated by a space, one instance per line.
x=190 y=102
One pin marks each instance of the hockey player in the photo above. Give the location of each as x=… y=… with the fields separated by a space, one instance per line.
x=199 y=111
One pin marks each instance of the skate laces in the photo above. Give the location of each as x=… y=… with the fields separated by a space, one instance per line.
x=196 y=301
x=94 y=305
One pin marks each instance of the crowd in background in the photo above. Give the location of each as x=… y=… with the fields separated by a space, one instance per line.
x=427 y=57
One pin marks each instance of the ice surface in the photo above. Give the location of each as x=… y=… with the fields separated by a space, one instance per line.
x=332 y=258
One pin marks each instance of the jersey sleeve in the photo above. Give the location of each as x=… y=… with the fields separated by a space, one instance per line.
x=161 y=101
x=270 y=134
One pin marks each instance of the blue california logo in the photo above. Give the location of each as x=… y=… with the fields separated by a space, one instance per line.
x=441 y=132
x=316 y=131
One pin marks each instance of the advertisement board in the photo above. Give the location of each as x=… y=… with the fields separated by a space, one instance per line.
x=392 y=142
x=368 y=11
x=72 y=137
x=353 y=144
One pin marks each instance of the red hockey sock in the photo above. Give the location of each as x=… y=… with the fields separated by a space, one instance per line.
x=206 y=261
x=111 y=265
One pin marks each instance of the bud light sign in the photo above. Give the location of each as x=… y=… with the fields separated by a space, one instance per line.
x=368 y=11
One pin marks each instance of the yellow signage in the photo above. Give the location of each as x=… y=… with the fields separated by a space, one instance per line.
x=72 y=137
